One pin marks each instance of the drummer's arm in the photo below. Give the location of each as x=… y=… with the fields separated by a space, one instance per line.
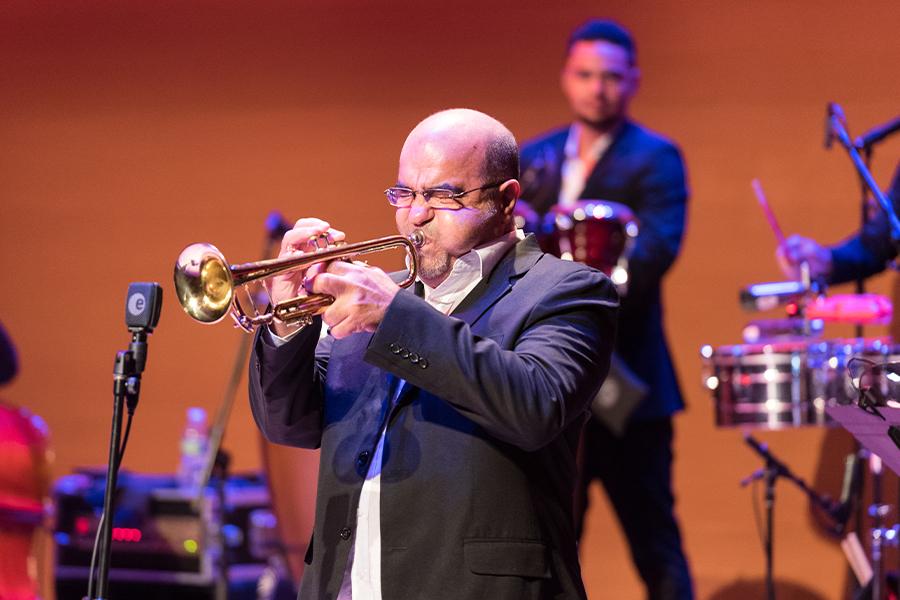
x=660 y=210
x=862 y=255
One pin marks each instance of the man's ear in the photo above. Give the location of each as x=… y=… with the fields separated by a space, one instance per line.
x=509 y=193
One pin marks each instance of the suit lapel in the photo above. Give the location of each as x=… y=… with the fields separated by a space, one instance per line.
x=520 y=258
x=514 y=264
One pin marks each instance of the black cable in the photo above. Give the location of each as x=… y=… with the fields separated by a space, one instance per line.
x=119 y=455
x=90 y=590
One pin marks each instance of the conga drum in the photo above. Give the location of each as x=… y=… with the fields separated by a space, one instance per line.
x=597 y=233
x=24 y=488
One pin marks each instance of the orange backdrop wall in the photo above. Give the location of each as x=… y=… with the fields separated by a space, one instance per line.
x=128 y=130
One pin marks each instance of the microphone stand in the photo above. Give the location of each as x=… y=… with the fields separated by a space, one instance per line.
x=129 y=365
x=864 y=218
x=837 y=128
x=774 y=469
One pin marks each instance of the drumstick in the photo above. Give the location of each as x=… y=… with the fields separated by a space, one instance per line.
x=770 y=216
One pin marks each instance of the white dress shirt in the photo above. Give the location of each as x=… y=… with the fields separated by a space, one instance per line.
x=575 y=170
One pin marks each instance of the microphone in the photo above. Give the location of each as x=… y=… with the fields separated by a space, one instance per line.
x=142 y=306
x=876 y=134
x=277 y=226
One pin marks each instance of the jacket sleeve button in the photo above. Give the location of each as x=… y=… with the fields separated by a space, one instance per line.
x=413 y=357
x=423 y=363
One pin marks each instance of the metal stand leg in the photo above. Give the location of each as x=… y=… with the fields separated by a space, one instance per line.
x=771 y=475
x=877 y=512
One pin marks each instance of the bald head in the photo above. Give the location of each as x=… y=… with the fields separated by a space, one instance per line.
x=489 y=145
x=472 y=155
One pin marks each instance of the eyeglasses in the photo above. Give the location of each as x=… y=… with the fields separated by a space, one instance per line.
x=876 y=383
x=402 y=197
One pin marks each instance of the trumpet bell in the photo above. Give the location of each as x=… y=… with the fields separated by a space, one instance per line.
x=203 y=283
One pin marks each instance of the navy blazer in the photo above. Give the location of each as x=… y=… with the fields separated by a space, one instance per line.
x=479 y=452
x=868 y=251
x=645 y=172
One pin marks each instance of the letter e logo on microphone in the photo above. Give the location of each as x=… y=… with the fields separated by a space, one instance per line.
x=136 y=304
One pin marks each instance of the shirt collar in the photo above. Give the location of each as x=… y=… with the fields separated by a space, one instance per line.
x=470 y=268
x=570 y=150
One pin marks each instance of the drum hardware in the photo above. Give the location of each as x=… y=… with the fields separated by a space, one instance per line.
x=206 y=284
x=761 y=331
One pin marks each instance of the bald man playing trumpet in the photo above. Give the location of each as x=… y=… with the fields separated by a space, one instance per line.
x=448 y=418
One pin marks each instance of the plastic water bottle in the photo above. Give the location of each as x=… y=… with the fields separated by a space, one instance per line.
x=194 y=450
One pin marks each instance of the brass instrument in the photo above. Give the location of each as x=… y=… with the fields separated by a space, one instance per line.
x=206 y=284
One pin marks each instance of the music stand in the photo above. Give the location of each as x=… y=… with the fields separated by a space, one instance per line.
x=871 y=431
x=881 y=436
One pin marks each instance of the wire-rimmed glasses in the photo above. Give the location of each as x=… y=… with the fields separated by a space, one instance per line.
x=402 y=197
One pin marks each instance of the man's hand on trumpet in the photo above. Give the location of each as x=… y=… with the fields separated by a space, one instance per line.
x=361 y=295
x=306 y=237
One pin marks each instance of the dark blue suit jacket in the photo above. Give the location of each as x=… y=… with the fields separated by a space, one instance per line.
x=868 y=251
x=645 y=172
x=479 y=453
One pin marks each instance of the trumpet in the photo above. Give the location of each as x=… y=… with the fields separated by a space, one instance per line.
x=206 y=284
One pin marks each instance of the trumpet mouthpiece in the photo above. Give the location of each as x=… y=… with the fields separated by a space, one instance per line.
x=417 y=238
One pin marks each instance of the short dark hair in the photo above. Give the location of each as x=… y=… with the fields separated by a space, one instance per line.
x=594 y=30
x=501 y=159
